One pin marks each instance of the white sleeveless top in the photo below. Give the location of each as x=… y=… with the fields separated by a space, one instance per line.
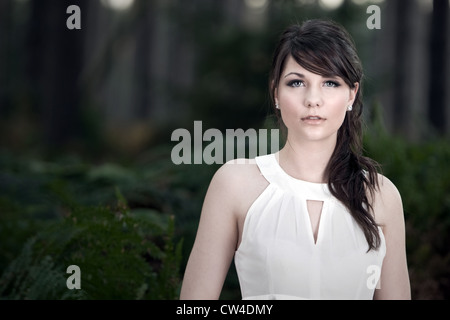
x=278 y=257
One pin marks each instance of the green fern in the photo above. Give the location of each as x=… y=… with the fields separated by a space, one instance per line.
x=120 y=255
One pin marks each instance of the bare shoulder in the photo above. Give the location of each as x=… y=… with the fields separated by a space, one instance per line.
x=387 y=187
x=233 y=169
x=220 y=228
x=239 y=170
x=387 y=204
x=239 y=180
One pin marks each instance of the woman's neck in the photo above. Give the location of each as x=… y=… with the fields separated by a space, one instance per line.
x=307 y=160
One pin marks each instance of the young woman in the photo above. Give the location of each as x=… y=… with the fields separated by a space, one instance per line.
x=314 y=220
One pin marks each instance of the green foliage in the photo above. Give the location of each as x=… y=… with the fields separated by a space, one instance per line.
x=121 y=256
x=419 y=170
x=122 y=252
x=123 y=225
x=26 y=278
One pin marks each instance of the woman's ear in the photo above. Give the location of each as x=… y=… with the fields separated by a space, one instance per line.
x=275 y=95
x=353 y=93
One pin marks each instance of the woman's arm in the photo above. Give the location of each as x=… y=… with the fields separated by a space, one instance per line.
x=215 y=242
x=388 y=208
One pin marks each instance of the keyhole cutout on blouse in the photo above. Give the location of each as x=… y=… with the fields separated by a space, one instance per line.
x=315 y=212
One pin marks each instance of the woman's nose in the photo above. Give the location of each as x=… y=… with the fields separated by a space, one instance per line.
x=313 y=98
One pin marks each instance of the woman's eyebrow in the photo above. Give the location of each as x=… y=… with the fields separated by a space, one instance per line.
x=300 y=75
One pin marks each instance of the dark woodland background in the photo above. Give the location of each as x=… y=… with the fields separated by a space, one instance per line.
x=86 y=118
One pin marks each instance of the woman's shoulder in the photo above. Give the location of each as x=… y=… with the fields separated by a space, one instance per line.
x=387 y=189
x=238 y=173
x=387 y=202
x=240 y=181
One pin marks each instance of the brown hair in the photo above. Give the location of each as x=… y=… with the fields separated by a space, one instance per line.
x=326 y=48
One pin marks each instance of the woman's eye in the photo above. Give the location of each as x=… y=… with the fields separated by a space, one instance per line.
x=331 y=84
x=296 y=83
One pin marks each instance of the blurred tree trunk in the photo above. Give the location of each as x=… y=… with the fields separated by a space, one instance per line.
x=5 y=43
x=143 y=57
x=403 y=9
x=56 y=58
x=438 y=65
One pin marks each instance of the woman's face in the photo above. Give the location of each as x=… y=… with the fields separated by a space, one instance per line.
x=312 y=107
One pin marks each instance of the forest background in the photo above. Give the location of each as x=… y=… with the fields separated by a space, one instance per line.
x=86 y=117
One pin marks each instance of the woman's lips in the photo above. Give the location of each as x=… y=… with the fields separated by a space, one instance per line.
x=313 y=119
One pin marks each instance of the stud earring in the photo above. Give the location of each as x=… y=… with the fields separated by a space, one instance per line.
x=277 y=106
x=350 y=108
